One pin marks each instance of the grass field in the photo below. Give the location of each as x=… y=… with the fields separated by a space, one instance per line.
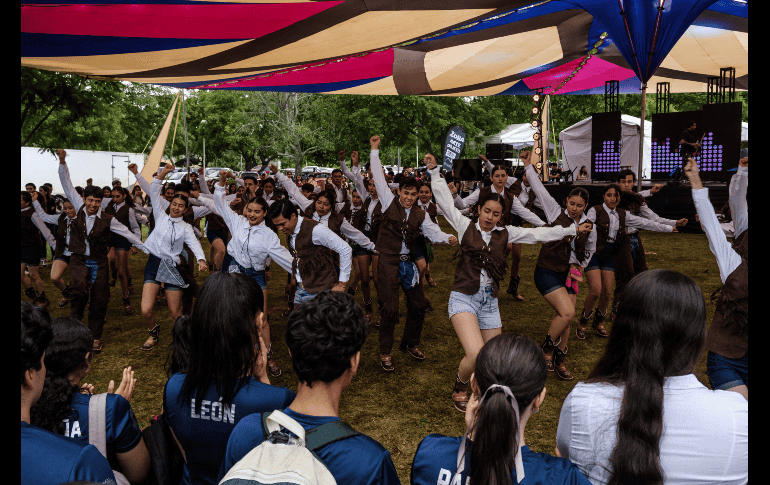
x=401 y=408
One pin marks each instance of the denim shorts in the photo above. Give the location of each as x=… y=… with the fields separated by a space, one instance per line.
x=482 y=304
x=547 y=281
x=64 y=258
x=151 y=270
x=725 y=373
x=634 y=240
x=418 y=252
x=119 y=243
x=30 y=255
x=214 y=235
x=605 y=260
x=258 y=276
x=301 y=296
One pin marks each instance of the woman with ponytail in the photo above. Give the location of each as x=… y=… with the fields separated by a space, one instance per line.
x=508 y=388
x=642 y=416
x=63 y=406
x=473 y=307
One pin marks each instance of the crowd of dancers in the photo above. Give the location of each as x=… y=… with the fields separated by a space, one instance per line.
x=382 y=228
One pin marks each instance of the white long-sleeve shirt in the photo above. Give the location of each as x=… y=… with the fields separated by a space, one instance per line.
x=170 y=234
x=739 y=207
x=515 y=234
x=77 y=202
x=553 y=210
x=430 y=229
x=727 y=258
x=53 y=219
x=250 y=246
x=632 y=221
x=323 y=236
x=198 y=210
x=525 y=190
x=346 y=228
x=516 y=206
x=355 y=176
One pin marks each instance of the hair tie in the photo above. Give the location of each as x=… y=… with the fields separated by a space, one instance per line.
x=515 y=406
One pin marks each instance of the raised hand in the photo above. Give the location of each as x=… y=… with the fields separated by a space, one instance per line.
x=126 y=388
x=524 y=157
x=341 y=154
x=744 y=162
x=483 y=158
x=61 y=153
x=274 y=169
x=223 y=178
x=375 y=142
x=354 y=158
x=132 y=168
x=34 y=195
x=430 y=161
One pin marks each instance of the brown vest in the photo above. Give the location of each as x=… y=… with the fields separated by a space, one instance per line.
x=121 y=215
x=603 y=228
x=395 y=228
x=314 y=263
x=97 y=239
x=555 y=255
x=377 y=216
x=335 y=220
x=345 y=196
x=516 y=189
x=61 y=234
x=728 y=335
x=30 y=235
x=432 y=211
x=506 y=217
x=476 y=255
x=358 y=220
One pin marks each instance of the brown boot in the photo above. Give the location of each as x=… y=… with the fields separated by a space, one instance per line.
x=460 y=395
x=127 y=308
x=30 y=292
x=582 y=325
x=598 y=325
x=41 y=300
x=152 y=341
x=548 y=349
x=558 y=364
x=368 y=312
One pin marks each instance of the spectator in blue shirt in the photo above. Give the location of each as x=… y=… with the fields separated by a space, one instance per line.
x=47 y=458
x=508 y=387
x=223 y=377
x=324 y=336
x=63 y=407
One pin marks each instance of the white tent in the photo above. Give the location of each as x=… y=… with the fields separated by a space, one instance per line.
x=744 y=131
x=575 y=143
x=518 y=135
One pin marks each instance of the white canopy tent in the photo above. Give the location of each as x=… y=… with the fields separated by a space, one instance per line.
x=575 y=143
x=518 y=135
x=744 y=131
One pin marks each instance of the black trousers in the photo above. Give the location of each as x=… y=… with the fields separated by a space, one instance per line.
x=82 y=291
x=388 y=293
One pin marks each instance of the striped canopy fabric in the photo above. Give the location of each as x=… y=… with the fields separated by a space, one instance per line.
x=416 y=47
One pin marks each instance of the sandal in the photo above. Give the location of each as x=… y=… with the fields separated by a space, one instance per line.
x=386 y=361
x=153 y=339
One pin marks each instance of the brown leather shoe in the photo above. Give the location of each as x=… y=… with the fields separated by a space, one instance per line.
x=558 y=364
x=460 y=395
x=598 y=325
x=379 y=319
x=548 y=349
x=413 y=351
x=128 y=309
x=41 y=300
x=97 y=347
x=368 y=313
x=386 y=361
x=272 y=366
x=582 y=325
x=130 y=289
x=153 y=339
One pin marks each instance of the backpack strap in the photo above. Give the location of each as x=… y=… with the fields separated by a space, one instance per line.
x=97 y=422
x=321 y=436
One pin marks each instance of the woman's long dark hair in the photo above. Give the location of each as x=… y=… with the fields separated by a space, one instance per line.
x=178 y=357
x=65 y=356
x=477 y=207
x=329 y=195
x=260 y=201
x=659 y=331
x=223 y=336
x=577 y=192
x=515 y=361
x=632 y=202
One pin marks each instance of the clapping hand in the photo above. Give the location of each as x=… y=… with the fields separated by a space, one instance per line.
x=126 y=388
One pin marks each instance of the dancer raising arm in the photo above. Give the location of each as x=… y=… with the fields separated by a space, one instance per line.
x=727 y=341
x=556 y=263
x=89 y=268
x=473 y=308
x=165 y=246
x=32 y=226
x=401 y=221
x=61 y=257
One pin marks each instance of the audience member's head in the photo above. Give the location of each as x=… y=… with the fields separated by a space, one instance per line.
x=325 y=336
x=67 y=360
x=512 y=361
x=659 y=331
x=36 y=335
x=223 y=337
x=179 y=356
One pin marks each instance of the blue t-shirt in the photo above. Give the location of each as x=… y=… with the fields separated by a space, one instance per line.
x=359 y=459
x=203 y=435
x=122 y=429
x=436 y=461
x=49 y=458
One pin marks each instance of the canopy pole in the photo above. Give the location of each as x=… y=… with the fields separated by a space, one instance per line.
x=186 y=146
x=641 y=140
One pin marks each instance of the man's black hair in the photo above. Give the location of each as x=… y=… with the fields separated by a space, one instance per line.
x=253 y=178
x=307 y=188
x=409 y=182
x=323 y=334
x=183 y=187
x=336 y=170
x=30 y=183
x=397 y=178
x=268 y=180
x=625 y=173
x=690 y=123
x=93 y=191
x=283 y=208
x=36 y=334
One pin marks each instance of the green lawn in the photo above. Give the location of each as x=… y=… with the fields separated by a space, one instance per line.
x=401 y=408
